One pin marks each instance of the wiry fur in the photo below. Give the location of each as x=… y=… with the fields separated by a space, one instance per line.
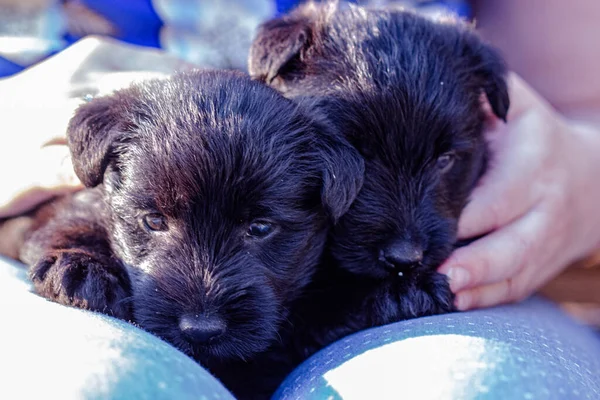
x=405 y=91
x=212 y=152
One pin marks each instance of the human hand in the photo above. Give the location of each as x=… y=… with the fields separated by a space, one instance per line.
x=36 y=105
x=537 y=205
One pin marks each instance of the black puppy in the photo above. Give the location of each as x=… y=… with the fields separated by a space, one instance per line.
x=208 y=204
x=408 y=93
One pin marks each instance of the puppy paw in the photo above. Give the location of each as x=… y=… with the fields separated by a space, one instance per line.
x=442 y=296
x=434 y=296
x=80 y=279
x=428 y=295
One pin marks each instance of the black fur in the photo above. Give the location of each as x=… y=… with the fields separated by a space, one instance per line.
x=407 y=92
x=212 y=153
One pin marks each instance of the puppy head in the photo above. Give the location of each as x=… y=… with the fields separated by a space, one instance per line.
x=221 y=193
x=407 y=92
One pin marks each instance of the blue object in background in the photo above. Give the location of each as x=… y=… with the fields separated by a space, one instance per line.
x=9 y=68
x=213 y=33
x=283 y=6
x=136 y=20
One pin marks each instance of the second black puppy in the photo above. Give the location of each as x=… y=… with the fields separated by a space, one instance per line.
x=408 y=93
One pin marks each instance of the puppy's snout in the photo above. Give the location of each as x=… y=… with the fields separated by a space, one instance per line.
x=199 y=328
x=400 y=255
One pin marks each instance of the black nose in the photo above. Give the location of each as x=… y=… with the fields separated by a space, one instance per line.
x=199 y=328
x=402 y=254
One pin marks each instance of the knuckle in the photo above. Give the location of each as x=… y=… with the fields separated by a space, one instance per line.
x=522 y=250
x=482 y=270
x=476 y=263
x=522 y=244
x=514 y=290
x=496 y=212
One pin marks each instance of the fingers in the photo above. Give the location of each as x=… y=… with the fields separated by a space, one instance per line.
x=507 y=265
x=498 y=256
x=510 y=290
x=522 y=200
x=512 y=184
x=501 y=198
x=48 y=173
x=507 y=291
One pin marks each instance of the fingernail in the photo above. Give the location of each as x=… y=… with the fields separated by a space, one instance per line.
x=462 y=301
x=459 y=278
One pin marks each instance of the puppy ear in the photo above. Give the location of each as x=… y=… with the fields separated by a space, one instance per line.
x=279 y=41
x=342 y=176
x=92 y=135
x=491 y=70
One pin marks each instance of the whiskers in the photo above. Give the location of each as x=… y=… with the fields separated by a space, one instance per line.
x=126 y=301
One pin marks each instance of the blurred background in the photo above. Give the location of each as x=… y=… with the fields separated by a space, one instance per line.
x=209 y=33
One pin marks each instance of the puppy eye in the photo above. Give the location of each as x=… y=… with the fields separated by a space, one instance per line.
x=155 y=222
x=260 y=229
x=445 y=162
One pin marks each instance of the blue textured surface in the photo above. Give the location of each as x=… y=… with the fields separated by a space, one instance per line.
x=526 y=351
x=56 y=352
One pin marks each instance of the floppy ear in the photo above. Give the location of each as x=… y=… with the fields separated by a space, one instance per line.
x=342 y=175
x=491 y=71
x=92 y=135
x=279 y=42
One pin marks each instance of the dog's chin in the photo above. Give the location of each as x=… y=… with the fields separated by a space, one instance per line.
x=250 y=329
x=223 y=350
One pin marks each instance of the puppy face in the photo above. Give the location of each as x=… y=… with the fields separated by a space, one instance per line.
x=220 y=193
x=407 y=92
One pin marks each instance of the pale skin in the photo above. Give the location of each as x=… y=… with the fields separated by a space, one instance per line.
x=539 y=198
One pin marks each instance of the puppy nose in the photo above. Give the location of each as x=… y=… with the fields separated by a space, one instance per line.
x=199 y=328
x=402 y=254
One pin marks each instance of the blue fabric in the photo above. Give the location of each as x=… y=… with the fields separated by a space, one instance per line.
x=526 y=351
x=9 y=68
x=136 y=20
x=55 y=352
